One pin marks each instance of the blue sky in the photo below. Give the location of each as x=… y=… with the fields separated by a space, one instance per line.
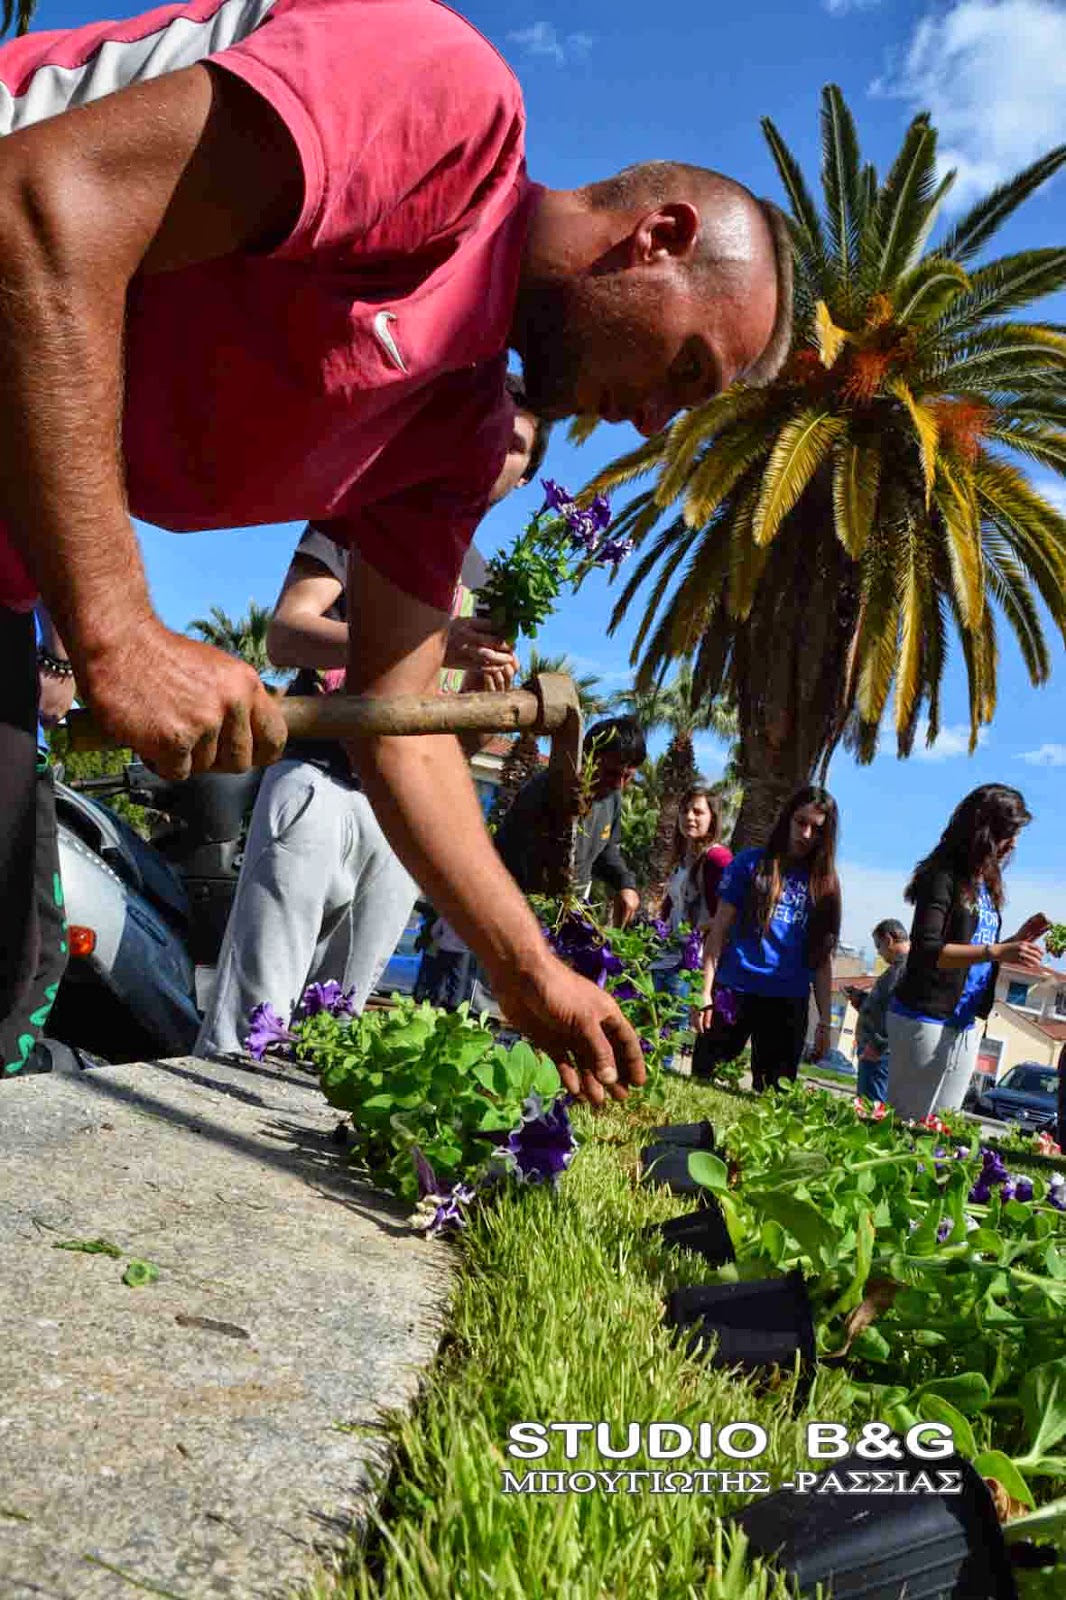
x=611 y=83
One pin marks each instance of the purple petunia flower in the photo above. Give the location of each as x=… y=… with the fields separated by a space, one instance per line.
x=625 y=991
x=660 y=928
x=1007 y=1189
x=614 y=551
x=542 y=1147
x=556 y=498
x=580 y=945
x=725 y=1006
x=943 y=1231
x=1023 y=1189
x=265 y=1029
x=980 y=1194
x=328 y=996
x=442 y=1208
x=692 y=952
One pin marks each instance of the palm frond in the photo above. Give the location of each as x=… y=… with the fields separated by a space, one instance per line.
x=700 y=427
x=800 y=448
x=634 y=464
x=902 y=207
x=990 y=213
x=926 y=432
x=1005 y=285
x=721 y=467
x=856 y=474
x=842 y=185
x=831 y=339
x=21 y=12
x=957 y=504
x=925 y=293
x=807 y=225
x=1007 y=582
x=747 y=558
x=582 y=428
x=1039 y=444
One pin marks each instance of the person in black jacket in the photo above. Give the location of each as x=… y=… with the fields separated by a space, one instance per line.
x=527 y=836
x=950 y=978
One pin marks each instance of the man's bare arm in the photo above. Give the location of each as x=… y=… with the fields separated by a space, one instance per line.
x=188 y=167
x=424 y=798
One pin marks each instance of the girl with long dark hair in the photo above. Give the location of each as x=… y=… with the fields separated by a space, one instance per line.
x=697 y=863
x=949 y=982
x=691 y=896
x=772 y=941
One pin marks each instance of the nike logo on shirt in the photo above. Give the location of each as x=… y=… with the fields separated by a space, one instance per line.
x=385 y=338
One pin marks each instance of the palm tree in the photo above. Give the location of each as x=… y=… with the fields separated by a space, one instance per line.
x=522 y=761
x=832 y=531
x=19 y=12
x=239 y=636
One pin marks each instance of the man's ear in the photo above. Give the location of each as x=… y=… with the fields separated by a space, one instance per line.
x=672 y=231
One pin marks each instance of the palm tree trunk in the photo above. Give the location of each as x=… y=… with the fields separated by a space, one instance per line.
x=521 y=763
x=790 y=665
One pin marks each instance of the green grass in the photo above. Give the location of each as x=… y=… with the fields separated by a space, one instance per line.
x=557 y=1316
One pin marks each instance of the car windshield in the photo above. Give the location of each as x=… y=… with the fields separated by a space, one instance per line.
x=1032 y=1080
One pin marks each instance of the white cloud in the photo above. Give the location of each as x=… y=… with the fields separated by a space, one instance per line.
x=950 y=742
x=993 y=75
x=1049 y=755
x=544 y=39
x=843 y=8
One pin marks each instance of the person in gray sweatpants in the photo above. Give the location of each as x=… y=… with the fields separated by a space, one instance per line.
x=321 y=893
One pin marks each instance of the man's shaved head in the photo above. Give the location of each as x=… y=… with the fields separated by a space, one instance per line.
x=736 y=228
x=651 y=291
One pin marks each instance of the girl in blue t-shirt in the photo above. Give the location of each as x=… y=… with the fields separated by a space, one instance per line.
x=949 y=982
x=771 y=941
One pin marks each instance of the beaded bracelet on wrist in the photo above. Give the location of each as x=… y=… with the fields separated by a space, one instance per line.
x=54 y=666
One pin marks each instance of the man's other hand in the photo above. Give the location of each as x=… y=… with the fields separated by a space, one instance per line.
x=579 y=1026
x=184 y=707
x=626 y=906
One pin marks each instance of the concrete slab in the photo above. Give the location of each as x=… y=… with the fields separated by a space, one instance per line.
x=210 y=1436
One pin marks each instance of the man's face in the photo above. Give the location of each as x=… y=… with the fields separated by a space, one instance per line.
x=611 y=773
x=513 y=471
x=643 y=342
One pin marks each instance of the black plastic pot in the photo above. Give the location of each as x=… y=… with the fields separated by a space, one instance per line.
x=881 y=1546
x=703 y=1232
x=750 y=1325
x=693 y=1135
x=668 y=1164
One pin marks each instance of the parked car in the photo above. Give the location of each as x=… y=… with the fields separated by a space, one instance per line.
x=1027 y=1094
x=401 y=970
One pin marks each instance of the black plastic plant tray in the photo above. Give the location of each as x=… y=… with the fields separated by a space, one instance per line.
x=764 y=1323
x=693 y=1135
x=668 y=1164
x=703 y=1232
x=882 y=1546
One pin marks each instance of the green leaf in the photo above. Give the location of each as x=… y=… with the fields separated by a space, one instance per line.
x=994 y=1464
x=934 y=1408
x=90 y=1247
x=814 y=1235
x=140 y=1273
x=967 y=1390
x=1043 y=1398
x=709 y=1171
